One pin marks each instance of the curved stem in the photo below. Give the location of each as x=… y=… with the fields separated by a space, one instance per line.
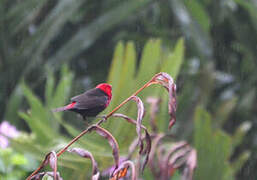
x=98 y=123
x=126 y=100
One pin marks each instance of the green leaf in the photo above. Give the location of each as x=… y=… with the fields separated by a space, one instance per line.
x=39 y=128
x=19 y=17
x=116 y=66
x=240 y=161
x=50 y=27
x=39 y=118
x=126 y=80
x=172 y=63
x=63 y=88
x=13 y=105
x=224 y=109
x=213 y=148
x=149 y=62
x=88 y=34
x=50 y=81
x=199 y=13
x=19 y=159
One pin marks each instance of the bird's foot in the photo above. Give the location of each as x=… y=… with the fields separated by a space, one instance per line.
x=103 y=117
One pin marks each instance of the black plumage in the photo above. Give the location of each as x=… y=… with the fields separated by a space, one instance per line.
x=90 y=103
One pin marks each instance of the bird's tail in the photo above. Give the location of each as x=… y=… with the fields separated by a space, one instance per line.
x=64 y=108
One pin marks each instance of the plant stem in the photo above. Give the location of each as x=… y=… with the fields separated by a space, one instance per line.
x=126 y=100
x=98 y=123
x=107 y=116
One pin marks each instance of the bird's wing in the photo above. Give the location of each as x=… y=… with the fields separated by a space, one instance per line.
x=90 y=99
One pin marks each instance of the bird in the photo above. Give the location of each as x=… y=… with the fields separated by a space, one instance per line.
x=91 y=102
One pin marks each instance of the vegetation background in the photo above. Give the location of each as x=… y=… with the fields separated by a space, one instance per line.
x=53 y=49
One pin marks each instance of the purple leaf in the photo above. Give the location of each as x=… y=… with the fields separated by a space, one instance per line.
x=86 y=154
x=121 y=171
x=167 y=81
x=154 y=109
x=130 y=120
x=147 y=149
x=132 y=147
x=112 y=141
x=179 y=156
x=109 y=170
x=51 y=159
x=153 y=163
x=135 y=143
x=140 y=115
x=175 y=147
x=53 y=162
x=170 y=158
x=191 y=164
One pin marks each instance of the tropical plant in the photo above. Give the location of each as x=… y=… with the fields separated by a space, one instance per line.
x=219 y=72
x=44 y=125
x=215 y=148
x=123 y=74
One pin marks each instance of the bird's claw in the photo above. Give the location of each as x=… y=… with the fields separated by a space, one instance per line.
x=104 y=117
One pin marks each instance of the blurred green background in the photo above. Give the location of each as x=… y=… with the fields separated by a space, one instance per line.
x=51 y=50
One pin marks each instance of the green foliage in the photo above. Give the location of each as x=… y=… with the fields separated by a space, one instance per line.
x=13 y=165
x=39 y=118
x=45 y=126
x=13 y=105
x=199 y=14
x=30 y=31
x=214 y=150
x=220 y=36
x=127 y=80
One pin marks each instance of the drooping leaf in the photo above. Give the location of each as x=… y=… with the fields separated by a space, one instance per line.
x=111 y=140
x=51 y=159
x=86 y=154
x=167 y=81
x=121 y=171
x=154 y=109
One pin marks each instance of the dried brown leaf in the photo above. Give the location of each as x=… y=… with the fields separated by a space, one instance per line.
x=167 y=81
x=140 y=115
x=86 y=154
x=121 y=171
x=190 y=166
x=130 y=120
x=154 y=109
x=51 y=159
x=152 y=162
x=138 y=141
x=112 y=141
x=147 y=149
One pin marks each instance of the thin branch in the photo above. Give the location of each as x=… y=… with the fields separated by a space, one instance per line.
x=152 y=81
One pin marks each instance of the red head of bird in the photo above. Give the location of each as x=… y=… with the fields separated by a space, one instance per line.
x=107 y=88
